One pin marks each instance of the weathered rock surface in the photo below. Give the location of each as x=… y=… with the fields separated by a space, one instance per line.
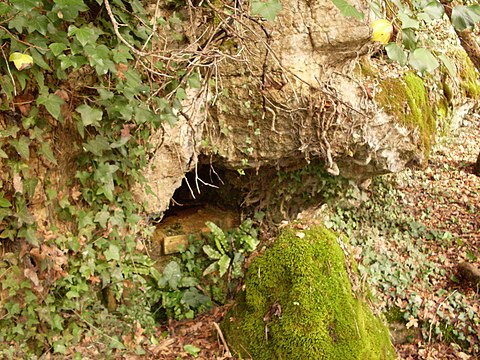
x=176 y=154
x=287 y=92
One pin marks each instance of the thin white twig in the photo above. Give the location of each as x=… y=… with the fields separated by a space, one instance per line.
x=9 y=72
x=154 y=25
x=229 y=354
x=438 y=308
x=122 y=39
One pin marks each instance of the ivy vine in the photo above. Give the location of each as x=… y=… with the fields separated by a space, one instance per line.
x=77 y=114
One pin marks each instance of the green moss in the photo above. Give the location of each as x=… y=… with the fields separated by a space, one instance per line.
x=299 y=304
x=394 y=314
x=469 y=82
x=407 y=100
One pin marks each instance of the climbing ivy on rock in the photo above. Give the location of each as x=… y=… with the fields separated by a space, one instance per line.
x=79 y=104
x=411 y=19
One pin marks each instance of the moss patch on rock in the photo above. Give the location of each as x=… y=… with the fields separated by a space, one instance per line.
x=407 y=99
x=299 y=304
x=469 y=82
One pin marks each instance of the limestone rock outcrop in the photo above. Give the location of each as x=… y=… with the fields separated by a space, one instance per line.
x=281 y=94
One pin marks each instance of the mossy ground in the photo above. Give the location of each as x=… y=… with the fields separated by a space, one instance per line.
x=407 y=99
x=299 y=304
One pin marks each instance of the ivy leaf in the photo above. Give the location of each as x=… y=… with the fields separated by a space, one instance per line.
x=10 y=131
x=52 y=103
x=37 y=22
x=85 y=35
x=29 y=234
x=22 y=214
x=57 y=48
x=121 y=54
x=180 y=94
x=18 y=23
x=99 y=57
x=269 y=10
x=25 y=5
x=69 y=9
x=434 y=9
x=194 y=298
x=409 y=39
x=39 y=60
x=21 y=146
x=448 y=64
x=408 y=22
x=112 y=253
x=348 y=10
x=137 y=7
x=133 y=80
x=396 y=53
x=29 y=185
x=97 y=146
x=90 y=116
x=194 y=81
x=21 y=61
x=3 y=154
x=464 y=17
x=105 y=94
x=171 y=275
x=423 y=60
x=59 y=348
x=67 y=61
x=144 y=114
x=104 y=175
x=102 y=217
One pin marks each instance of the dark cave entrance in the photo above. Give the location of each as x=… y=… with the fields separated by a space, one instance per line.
x=281 y=193
x=208 y=185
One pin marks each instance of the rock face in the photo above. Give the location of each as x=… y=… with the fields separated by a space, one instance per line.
x=299 y=304
x=287 y=92
x=176 y=155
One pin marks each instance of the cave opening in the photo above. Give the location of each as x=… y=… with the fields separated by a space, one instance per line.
x=208 y=186
x=207 y=194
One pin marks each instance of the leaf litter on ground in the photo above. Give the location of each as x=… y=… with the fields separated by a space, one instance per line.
x=445 y=198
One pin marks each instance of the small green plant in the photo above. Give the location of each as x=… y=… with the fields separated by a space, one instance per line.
x=228 y=250
x=191 y=283
x=181 y=298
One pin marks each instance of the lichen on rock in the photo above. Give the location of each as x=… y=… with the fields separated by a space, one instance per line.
x=299 y=304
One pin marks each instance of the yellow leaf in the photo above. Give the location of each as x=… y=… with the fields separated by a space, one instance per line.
x=21 y=61
x=382 y=30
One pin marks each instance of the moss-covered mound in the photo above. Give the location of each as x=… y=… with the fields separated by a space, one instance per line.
x=299 y=304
